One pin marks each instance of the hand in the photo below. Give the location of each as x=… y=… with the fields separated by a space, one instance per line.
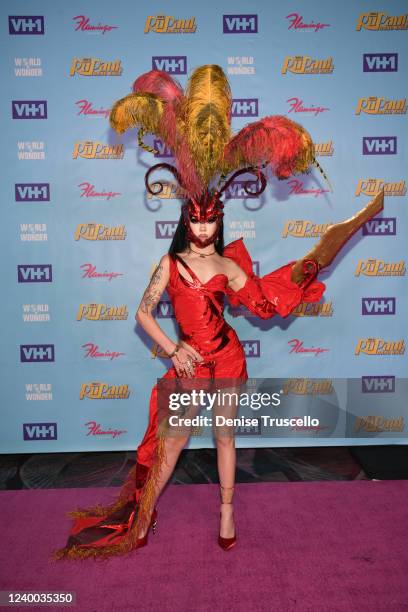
x=304 y=271
x=184 y=359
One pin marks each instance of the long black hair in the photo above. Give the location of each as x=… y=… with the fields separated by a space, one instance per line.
x=180 y=242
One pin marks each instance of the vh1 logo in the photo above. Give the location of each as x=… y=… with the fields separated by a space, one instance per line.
x=34 y=273
x=29 y=109
x=378 y=306
x=252 y=348
x=173 y=64
x=240 y=24
x=164 y=310
x=378 y=384
x=27 y=24
x=381 y=226
x=165 y=229
x=244 y=107
x=40 y=431
x=32 y=192
x=380 y=62
x=379 y=145
x=37 y=353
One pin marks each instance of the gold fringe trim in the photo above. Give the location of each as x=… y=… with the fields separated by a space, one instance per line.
x=149 y=493
x=143 y=513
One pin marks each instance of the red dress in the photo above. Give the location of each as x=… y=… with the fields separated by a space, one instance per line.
x=112 y=530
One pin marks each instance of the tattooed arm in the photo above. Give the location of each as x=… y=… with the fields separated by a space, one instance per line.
x=144 y=316
x=149 y=301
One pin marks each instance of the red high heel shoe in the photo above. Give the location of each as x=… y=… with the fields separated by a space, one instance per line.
x=118 y=531
x=153 y=524
x=227 y=543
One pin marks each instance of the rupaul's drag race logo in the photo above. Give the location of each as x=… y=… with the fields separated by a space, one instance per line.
x=381 y=21
x=102 y=312
x=91 y=272
x=89 y=191
x=378 y=346
x=304 y=64
x=372 y=186
x=378 y=267
x=98 y=231
x=95 y=429
x=89 y=149
x=378 y=424
x=93 y=66
x=376 y=105
x=307 y=309
x=301 y=228
x=164 y=24
x=92 y=351
x=86 y=108
x=101 y=391
x=324 y=148
x=307 y=386
x=296 y=106
x=297 y=23
x=83 y=24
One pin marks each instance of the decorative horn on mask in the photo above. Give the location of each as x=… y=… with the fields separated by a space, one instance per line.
x=258 y=173
x=168 y=167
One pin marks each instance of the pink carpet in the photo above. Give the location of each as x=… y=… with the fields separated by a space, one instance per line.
x=309 y=546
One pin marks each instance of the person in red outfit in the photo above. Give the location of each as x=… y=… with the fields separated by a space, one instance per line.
x=196 y=278
x=198 y=272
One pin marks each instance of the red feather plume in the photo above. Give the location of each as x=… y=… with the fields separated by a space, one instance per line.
x=273 y=140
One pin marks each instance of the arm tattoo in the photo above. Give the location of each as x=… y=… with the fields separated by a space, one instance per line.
x=152 y=295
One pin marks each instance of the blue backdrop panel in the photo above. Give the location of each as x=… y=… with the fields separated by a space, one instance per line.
x=81 y=238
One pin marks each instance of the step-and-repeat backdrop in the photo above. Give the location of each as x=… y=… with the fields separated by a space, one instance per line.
x=81 y=237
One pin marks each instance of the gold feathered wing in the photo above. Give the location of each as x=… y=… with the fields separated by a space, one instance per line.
x=207 y=115
x=143 y=110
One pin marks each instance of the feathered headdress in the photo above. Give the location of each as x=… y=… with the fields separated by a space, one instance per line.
x=196 y=126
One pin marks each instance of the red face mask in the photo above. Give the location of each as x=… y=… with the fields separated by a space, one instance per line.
x=208 y=209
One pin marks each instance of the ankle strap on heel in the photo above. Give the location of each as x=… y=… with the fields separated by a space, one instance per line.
x=222 y=493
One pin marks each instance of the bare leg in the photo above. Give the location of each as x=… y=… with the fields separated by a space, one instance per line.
x=226 y=461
